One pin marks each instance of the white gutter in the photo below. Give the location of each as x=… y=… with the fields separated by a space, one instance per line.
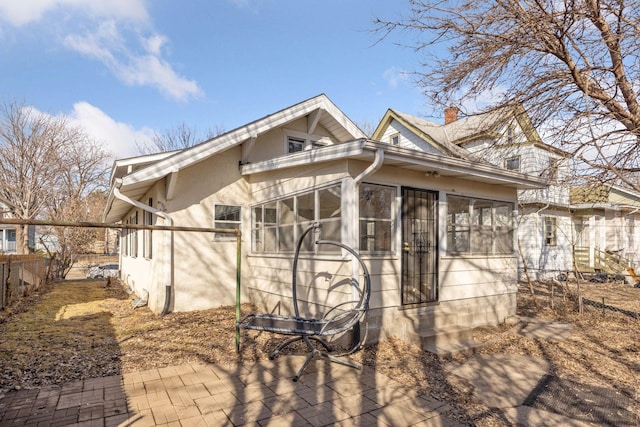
x=168 y=242
x=377 y=163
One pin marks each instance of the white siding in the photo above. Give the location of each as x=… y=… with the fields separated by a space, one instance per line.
x=407 y=138
x=544 y=261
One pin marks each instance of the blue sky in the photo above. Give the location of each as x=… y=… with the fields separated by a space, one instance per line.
x=126 y=68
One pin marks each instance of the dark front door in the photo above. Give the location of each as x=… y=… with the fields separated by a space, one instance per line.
x=419 y=246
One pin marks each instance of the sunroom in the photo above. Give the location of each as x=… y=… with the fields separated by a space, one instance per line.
x=436 y=232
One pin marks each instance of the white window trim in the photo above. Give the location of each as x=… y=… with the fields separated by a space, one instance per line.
x=295 y=195
x=223 y=236
x=309 y=139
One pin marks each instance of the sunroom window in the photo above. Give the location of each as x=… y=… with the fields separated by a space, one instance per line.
x=477 y=226
x=277 y=224
x=377 y=214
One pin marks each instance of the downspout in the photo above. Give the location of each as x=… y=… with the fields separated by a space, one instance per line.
x=377 y=163
x=169 y=241
x=355 y=265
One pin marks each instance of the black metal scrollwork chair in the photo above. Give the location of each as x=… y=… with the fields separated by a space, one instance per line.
x=340 y=318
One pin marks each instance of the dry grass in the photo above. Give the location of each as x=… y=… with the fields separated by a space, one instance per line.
x=83 y=329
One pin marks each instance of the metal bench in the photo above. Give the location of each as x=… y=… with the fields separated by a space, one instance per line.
x=340 y=318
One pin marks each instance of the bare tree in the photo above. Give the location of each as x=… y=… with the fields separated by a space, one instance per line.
x=45 y=165
x=78 y=196
x=177 y=138
x=573 y=64
x=29 y=147
x=367 y=127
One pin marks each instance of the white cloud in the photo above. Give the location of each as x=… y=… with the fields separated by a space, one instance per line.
x=22 y=12
x=119 y=138
x=136 y=56
x=394 y=76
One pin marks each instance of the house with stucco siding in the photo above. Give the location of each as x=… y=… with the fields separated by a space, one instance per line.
x=412 y=214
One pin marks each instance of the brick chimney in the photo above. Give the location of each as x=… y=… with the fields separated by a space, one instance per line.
x=450 y=114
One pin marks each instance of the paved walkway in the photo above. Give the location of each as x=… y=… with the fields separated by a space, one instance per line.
x=210 y=395
x=518 y=387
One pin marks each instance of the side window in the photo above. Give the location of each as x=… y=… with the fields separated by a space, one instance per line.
x=394 y=139
x=552 y=171
x=550 y=234
x=147 y=242
x=134 y=237
x=227 y=217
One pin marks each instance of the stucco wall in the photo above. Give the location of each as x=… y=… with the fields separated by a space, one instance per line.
x=273 y=143
x=480 y=289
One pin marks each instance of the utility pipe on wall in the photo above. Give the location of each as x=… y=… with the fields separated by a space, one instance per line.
x=168 y=242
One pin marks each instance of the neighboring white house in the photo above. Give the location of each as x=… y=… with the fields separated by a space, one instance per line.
x=435 y=230
x=507 y=140
x=7 y=232
x=606 y=226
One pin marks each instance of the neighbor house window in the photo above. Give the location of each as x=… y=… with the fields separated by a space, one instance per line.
x=550 y=234
x=227 y=217
x=552 y=171
x=394 y=139
x=277 y=224
x=377 y=214
x=512 y=163
x=477 y=226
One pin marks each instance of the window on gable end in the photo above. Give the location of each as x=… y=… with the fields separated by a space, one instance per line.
x=295 y=144
x=512 y=163
x=394 y=139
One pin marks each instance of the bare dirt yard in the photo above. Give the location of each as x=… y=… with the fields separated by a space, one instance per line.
x=83 y=329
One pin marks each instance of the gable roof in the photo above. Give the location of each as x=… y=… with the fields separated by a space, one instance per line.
x=137 y=183
x=604 y=195
x=431 y=133
x=467 y=129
